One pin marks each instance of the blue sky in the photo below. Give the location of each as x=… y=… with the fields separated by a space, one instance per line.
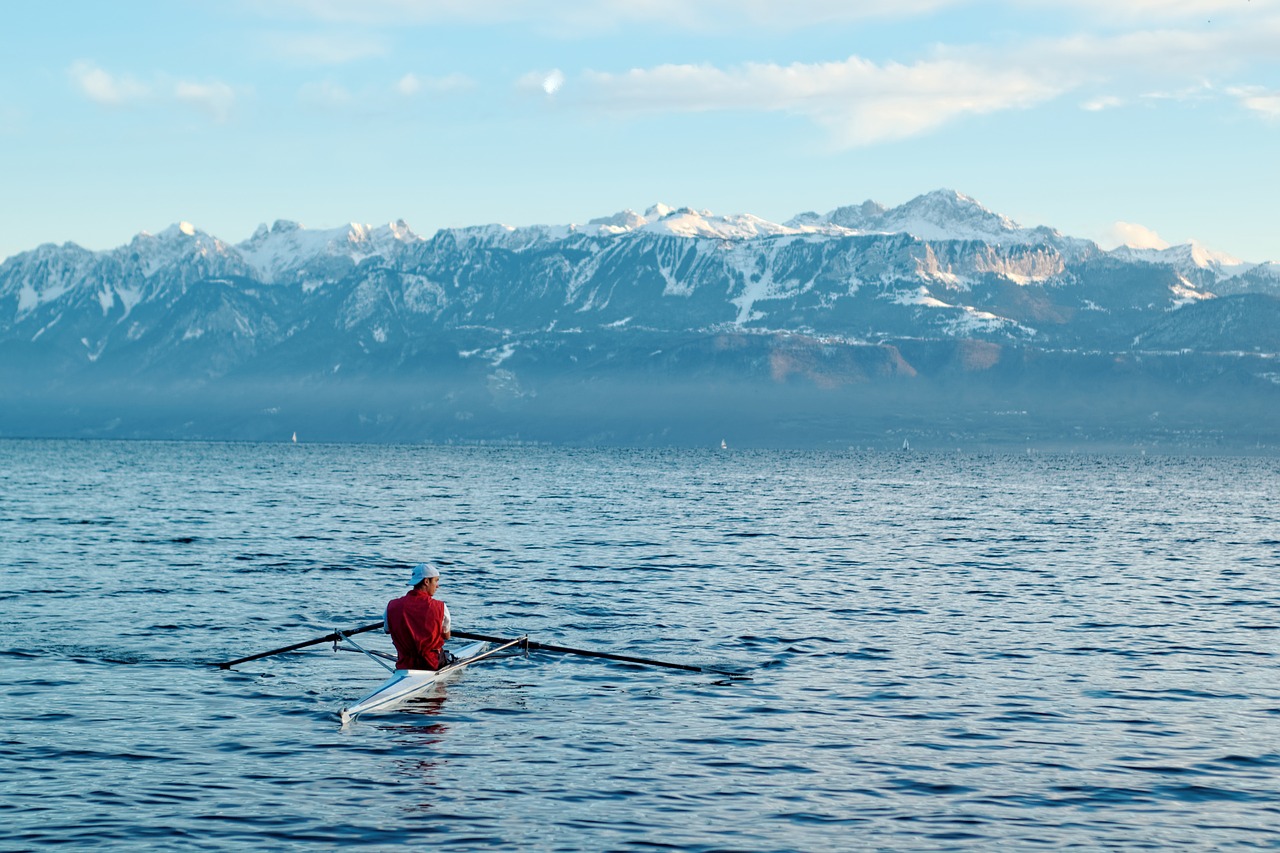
x=1154 y=121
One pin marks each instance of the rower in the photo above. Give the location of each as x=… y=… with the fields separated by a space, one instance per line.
x=419 y=622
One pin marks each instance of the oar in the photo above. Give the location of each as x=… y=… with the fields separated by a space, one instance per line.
x=327 y=638
x=590 y=654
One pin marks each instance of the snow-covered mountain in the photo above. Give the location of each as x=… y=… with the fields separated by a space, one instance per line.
x=286 y=251
x=630 y=293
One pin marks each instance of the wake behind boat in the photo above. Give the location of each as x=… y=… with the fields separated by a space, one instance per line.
x=406 y=684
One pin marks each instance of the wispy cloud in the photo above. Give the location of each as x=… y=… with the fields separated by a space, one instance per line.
x=580 y=17
x=330 y=94
x=214 y=98
x=325 y=48
x=863 y=102
x=1102 y=102
x=1145 y=11
x=1261 y=101
x=109 y=90
x=412 y=84
x=585 y=18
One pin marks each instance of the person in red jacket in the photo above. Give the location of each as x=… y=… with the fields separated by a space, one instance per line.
x=419 y=622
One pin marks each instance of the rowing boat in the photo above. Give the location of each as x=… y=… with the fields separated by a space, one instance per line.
x=405 y=684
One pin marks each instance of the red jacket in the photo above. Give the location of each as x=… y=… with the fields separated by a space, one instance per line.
x=416 y=624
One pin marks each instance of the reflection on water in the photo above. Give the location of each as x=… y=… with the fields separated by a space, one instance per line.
x=946 y=651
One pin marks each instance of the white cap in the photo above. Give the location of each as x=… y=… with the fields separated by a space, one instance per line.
x=421 y=572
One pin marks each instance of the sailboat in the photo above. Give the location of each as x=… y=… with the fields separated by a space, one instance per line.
x=295 y=438
x=906 y=445
x=723 y=446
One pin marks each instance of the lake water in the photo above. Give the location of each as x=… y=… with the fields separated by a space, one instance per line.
x=947 y=651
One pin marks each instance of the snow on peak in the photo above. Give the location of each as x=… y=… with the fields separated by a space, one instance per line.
x=938 y=215
x=400 y=230
x=177 y=243
x=1206 y=257
x=658 y=219
x=947 y=214
x=378 y=238
x=177 y=231
x=287 y=247
x=1185 y=256
x=623 y=221
x=687 y=222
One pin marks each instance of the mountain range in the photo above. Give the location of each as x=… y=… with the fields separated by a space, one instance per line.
x=937 y=319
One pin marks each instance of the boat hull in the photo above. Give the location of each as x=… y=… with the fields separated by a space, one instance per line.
x=405 y=684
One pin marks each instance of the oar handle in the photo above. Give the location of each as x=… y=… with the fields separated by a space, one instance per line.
x=530 y=644
x=327 y=638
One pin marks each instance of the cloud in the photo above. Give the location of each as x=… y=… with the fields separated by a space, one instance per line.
x=721 y=16
x=543 y=83
x=325 y=48
x=1148 y=10
x=380 y=98
x=553 y=82
x=107 y=89
x=860 y=101
x=1103 y=102
x=1133 y=235
x=588 y=18
x=412 y=84
x=216 y=99
x=1261 y=101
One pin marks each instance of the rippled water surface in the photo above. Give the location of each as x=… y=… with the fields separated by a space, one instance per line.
x=947 y=651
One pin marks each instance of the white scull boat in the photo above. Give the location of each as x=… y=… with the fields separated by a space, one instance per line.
x=405 y=684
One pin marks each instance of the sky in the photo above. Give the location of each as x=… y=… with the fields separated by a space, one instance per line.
x=1148 y=122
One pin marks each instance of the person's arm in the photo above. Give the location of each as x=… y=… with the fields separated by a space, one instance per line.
x=446 y=624
x=386 y=622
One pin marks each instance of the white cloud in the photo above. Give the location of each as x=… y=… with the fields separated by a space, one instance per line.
x=1133 y=235
x=585 y=17
x=413 y=84
x=1103 y=102
x=553 y=82
x=1262 y=101
x=861 y=102
x=1148 y=10
x=544 y=83
x=409 y=85
x=214 y=98
x=104 y=88
x=326 y=48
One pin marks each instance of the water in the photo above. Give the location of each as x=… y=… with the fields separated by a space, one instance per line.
x=948 y=651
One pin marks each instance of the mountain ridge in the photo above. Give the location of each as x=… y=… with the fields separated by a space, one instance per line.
x=823 y=310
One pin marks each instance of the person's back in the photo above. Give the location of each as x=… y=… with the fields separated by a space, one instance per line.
x=418 y=622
